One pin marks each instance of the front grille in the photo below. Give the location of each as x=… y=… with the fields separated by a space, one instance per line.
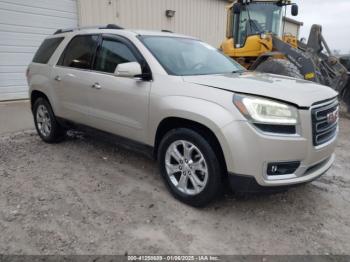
x=325 y=122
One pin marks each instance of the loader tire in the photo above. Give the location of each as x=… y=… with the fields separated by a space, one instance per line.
x=279 y=67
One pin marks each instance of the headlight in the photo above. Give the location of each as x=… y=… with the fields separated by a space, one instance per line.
x=266 y=111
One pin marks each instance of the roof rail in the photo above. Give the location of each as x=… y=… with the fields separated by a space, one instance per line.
x=109 y=26
x=59 y=31
x=112 y=26
x=167 y=31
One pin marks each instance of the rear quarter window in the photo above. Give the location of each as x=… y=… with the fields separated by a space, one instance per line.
x=47 y=48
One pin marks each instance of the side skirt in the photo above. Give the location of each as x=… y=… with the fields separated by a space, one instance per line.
x=106 y=137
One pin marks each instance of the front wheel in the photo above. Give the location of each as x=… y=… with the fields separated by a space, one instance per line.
x=190 y=167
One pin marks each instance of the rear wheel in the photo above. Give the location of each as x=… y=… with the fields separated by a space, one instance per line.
x=45 y=122
x=190 y=167
x=279 y=67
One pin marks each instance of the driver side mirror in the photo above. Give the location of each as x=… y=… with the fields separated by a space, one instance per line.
x=295 y=10
x=131 y=70
x=237 y=8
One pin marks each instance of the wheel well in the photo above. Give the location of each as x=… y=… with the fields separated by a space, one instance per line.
x=35 y=95
x=174 y=122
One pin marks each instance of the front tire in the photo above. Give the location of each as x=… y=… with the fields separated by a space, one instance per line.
x=190 y=167
x=45 y=121
x=279 y=67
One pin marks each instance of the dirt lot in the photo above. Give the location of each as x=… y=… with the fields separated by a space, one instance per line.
x=89 y=197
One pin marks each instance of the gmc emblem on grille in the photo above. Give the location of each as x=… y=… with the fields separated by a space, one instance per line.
x=332 y=117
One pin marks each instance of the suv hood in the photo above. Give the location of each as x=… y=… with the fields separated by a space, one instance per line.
x=299 y=92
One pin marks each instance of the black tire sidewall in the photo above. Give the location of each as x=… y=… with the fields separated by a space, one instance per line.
x=279 y=67
x=214 y=182
x=56 y=133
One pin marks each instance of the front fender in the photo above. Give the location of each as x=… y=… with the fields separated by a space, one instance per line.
x=213 y=116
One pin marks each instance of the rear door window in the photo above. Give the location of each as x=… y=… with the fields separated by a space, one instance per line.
x=80 y=52
x=46 y=49
x=112 y=53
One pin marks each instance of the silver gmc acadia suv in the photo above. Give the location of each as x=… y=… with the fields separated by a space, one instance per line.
x=208 y=121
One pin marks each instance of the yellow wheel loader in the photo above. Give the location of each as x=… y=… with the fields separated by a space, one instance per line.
x=256 y=38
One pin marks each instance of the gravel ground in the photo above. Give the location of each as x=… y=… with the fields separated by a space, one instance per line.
x=85 y=196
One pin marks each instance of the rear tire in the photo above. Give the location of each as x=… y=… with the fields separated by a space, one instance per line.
x=46 y=123
x=198 y=165
x=279 y=67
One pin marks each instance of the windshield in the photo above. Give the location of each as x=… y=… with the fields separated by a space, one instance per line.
x=260 y=18
x=182 y=56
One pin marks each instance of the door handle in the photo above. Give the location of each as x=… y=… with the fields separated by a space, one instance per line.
x=58 y=78
x=96 y=86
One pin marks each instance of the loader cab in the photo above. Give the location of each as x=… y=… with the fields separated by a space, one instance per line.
x=255 y=18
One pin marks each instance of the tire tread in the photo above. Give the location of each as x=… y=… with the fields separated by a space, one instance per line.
x=280 y=66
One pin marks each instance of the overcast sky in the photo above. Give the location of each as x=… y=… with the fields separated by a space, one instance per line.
x=333 y=15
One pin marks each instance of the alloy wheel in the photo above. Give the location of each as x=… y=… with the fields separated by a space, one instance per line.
x=43 y=120
x=186 y=167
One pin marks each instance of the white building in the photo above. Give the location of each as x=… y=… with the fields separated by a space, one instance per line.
x=205 y=19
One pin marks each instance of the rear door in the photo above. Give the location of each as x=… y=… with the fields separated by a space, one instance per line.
x=119 y=104
x=71 y=78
